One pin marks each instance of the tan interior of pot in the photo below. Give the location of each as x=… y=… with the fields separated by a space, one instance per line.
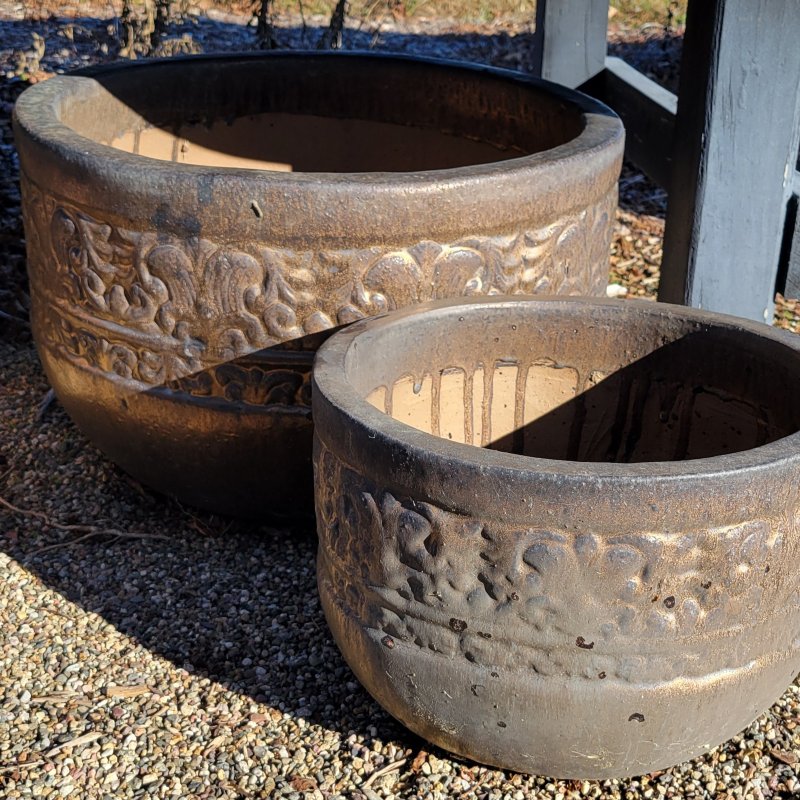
x=591 y=393
x=304 y=114
x=309 y=143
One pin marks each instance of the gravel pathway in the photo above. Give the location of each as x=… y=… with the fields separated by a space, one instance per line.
x=149 y=650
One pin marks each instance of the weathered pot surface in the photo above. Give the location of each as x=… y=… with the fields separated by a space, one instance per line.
x=193 y=226
x=609 y=585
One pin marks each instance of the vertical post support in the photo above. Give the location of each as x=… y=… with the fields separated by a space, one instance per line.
x=792 y=287
x=570 y=40
x=736 y=141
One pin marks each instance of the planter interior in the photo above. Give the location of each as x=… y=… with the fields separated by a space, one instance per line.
x=638 y=392
x=335 y=121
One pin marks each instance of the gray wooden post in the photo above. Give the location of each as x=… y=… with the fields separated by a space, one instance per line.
x=736 y=141
x=792 y=243
x=570 y=40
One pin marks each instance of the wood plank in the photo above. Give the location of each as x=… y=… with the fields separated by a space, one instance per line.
x=648 y=111
x=570 y=40
x=736 y=140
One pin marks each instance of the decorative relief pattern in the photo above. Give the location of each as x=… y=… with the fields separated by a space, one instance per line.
x=578 y=605
x=249 y=384
x=154 y=308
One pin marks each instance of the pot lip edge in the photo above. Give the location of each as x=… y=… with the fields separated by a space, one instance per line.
x=368 y=423
x=34 y=114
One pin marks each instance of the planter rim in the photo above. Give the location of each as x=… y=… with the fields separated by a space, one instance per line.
x=36 y=112
x=521 y=192
x=368 y=429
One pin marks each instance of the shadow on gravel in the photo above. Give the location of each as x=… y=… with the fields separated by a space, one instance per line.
x=234 y=602
x=228 y=600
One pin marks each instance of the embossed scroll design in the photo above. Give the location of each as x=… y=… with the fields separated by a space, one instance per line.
x=250 y=384
x=637 y=607
x=156 y=308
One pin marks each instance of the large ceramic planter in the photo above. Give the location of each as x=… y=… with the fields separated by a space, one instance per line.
x=609 y=586
x=194 y=224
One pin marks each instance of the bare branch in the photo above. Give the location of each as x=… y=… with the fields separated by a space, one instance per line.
x=88 y=531
x=332 y=37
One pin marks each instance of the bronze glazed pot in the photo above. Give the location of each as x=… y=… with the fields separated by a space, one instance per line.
x=606 y=587
x=194 y=225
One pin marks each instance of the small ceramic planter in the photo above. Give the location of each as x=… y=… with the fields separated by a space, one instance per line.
x=195 y=225
x=562 y=536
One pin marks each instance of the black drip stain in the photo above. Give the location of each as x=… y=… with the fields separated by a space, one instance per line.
x=669 y=602
x=637 y=717
x=387 y=641
x=582 y=643
x=458 y=625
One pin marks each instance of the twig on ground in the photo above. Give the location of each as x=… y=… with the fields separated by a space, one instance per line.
x=78 y=741
x=201 y=526
x=331 y=38
x=91 y=535
x=57 y=697
x=379 y=773
x=88 y=531
x=44 y=406
x=11 y=318
x=23 y=765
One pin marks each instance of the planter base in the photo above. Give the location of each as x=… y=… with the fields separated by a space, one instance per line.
x=579 y=727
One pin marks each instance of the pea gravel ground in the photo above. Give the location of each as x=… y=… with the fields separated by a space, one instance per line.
x=149 y=650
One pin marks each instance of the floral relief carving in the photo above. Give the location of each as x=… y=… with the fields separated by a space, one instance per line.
x=249 y=384
x=242 y=382
x=155 y=308
x=550 y=601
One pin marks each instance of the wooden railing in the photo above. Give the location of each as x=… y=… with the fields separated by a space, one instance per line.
x=725 y=148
